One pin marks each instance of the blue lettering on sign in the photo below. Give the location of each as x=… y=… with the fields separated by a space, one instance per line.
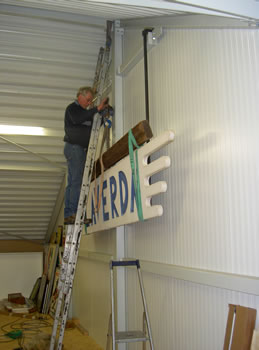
x=113 y=193
x=124 y=198
x=105 y=215
x=133 y=195
x=123 y=182
x=97 y=200
x=93 y=212
x=94 y=205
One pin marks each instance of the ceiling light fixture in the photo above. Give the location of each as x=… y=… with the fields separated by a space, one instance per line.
x=20 y=130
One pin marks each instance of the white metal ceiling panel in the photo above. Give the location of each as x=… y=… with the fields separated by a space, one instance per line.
x=42 y=64
x=126 y=9
x=109 y=10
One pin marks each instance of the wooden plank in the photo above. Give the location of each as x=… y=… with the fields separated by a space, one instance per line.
x=244 y=327
x=142 y=133
x=240 y=327
x=20 y=246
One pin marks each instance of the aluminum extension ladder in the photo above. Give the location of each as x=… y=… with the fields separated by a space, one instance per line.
x=144 y=335
x=74 y=232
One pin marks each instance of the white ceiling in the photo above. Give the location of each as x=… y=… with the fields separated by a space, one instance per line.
x=125 y=9
x=40 y=73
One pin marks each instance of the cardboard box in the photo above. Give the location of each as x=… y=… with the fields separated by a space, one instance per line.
x=240 y=327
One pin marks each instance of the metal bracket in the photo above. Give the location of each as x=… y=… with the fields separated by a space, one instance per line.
x=154 y=36
x=119 y=31
x=118 y=28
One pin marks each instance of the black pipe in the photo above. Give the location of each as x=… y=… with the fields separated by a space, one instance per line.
x=145 y=34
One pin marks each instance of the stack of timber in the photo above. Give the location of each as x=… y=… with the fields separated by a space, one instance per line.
x=142 y=133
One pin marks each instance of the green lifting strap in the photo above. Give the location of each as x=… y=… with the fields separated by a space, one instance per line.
x=135 y=172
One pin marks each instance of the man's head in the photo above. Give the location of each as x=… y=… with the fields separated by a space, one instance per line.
x=85 y=96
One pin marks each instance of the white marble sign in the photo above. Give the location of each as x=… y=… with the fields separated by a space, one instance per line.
x=118 y=200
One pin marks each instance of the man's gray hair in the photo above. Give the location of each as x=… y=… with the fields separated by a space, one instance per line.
x=84 y=90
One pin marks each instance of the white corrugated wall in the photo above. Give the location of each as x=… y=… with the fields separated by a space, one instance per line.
x=203 y=84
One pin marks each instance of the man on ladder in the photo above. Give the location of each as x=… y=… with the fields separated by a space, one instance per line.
x=78 y=125
x=74 y=230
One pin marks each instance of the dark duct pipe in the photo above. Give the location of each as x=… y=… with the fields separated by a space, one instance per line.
x=145 y=34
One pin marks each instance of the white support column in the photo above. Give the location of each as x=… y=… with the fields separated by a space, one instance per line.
x=120 y=231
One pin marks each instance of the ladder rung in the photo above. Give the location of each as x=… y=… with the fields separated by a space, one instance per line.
x=130 y=336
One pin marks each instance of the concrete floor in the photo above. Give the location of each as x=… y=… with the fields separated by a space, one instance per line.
x=31 y=327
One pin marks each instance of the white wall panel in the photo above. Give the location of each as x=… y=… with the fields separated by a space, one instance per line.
x=99 y=242
x=134 y=107
x=200 y=87
x=183 y=315
x=91 y=302
x=91 y=291
x=133 y=41
x=19 y=272
x=203 y=84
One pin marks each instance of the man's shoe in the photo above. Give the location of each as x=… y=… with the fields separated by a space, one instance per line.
x=66 y=220
x=71 y=220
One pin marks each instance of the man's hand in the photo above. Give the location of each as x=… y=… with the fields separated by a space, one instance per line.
x=104 y=104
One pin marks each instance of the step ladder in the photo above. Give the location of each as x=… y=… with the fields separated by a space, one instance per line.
x=74 y=232
x=143 y=335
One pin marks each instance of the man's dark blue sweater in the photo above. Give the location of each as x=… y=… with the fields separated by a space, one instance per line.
x=78 y=124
